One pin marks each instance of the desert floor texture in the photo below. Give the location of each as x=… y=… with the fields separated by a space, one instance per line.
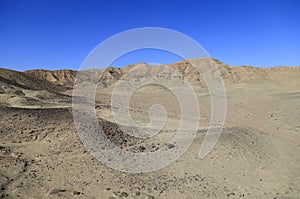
x=257 y=155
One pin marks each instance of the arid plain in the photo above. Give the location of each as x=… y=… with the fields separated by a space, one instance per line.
x=257 y=155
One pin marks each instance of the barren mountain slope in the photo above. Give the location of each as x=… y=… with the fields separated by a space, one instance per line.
x=22 y=80
x=63 y=78
x=183 y=69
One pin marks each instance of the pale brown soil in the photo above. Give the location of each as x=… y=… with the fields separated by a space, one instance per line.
x=257 y=155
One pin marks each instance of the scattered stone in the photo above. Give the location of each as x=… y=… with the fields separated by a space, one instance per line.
x=123 y=194
x=56 y=191
x=76 y=193
x=137 y=193
x=170 y=146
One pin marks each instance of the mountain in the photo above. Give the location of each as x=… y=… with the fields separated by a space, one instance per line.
x=185 y=70
x=63 y=78
x=60 y=80
x=26 y=81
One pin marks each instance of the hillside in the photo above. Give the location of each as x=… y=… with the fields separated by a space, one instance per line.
x=58 y=79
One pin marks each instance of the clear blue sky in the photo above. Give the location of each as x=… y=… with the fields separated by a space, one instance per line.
x=60 y=34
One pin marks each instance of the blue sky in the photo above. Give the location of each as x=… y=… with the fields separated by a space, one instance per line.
x=60 y=34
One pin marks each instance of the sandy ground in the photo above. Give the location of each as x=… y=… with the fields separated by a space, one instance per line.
x=257 y=155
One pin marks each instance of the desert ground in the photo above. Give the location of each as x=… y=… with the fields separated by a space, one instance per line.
x=257 y=155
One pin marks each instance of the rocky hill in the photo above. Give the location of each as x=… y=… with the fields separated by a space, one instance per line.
x=58 y=80
x=23 y=80
x=63 y=78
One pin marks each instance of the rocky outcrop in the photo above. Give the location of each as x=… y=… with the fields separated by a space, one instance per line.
x=63 y=78
x=110 y=75
x=25 y=81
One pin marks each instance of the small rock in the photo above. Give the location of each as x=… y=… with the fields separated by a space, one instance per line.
x=76 y=193
x=123 y=194
x=170 y=146
x=137 y=193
